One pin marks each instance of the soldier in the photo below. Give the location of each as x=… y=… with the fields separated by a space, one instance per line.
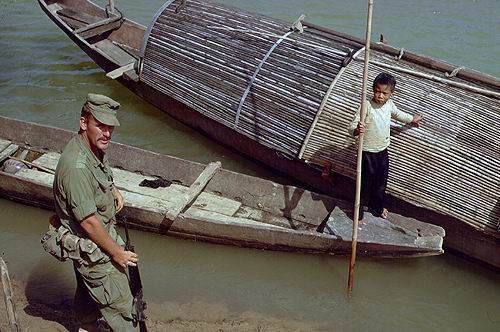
x=86 y=202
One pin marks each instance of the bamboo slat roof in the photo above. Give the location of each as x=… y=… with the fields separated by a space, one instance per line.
x=205 y=56
x=303 y=96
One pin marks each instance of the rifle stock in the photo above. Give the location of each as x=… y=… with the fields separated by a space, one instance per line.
x=139 y=305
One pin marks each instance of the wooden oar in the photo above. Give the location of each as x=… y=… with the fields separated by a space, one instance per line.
x=194 y=190
x=9 y=297
x=362 y=115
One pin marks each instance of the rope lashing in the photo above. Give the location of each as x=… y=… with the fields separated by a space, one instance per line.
x=297 y=25
x=401 y=53
x=454 y=72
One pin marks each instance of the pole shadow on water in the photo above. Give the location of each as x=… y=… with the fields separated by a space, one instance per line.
x=47 y=295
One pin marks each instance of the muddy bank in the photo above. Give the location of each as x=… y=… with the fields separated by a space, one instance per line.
x=191 y=317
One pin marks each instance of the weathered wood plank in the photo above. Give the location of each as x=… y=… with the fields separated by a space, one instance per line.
x=129 y=181
x=48 y=160
x=9 y=297
x=8 y=151
x=78 y=16
x=3 y=144
x=98 y=30
x=115 y=52
x=114 y=74
x=195 y=189
x=33 y=175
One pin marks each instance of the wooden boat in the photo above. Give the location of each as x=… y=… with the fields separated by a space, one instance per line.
x=285 y=98
x=232 y=209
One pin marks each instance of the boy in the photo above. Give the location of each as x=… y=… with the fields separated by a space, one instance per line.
x=376 y=129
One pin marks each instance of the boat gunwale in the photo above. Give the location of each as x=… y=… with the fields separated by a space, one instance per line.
x=44 y=195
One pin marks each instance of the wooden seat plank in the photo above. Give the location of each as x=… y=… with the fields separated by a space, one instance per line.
x=3 y=144
x=129 y=181
x=78 y=16
x=98 y=30
x=195 y=189
x=114 y=52
x=114 y=74
x=8 y=151
x=48 y=160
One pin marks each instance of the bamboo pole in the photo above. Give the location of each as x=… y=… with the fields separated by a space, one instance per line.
x=111 y=6
x=9 y=297
x=40 y=167
x=355 y=221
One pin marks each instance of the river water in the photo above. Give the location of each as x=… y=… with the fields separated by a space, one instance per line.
x=44 y=78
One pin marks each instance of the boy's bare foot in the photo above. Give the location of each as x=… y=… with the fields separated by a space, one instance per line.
x=385 y=214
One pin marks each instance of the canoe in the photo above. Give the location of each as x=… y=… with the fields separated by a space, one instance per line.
x=285 y=98
x=232 y=208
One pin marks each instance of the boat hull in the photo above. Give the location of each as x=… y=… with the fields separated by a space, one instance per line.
x=461 y=237
x=278 y=222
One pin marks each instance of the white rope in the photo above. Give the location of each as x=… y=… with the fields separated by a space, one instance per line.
x=454 y=72
x=401 y=53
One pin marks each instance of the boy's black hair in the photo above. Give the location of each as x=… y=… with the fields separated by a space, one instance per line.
x=385 y=79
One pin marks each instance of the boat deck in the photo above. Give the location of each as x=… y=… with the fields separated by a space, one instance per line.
x=97 y=29
x=220 y=214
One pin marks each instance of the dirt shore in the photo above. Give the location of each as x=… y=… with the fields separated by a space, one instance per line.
x=192 y=317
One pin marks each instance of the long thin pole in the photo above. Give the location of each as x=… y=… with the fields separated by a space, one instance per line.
x=352 y=263
x=112 y=6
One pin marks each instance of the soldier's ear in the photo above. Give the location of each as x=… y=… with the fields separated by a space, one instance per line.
x=83 y=123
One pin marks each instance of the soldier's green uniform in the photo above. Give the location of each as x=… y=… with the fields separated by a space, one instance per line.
x=82 y=187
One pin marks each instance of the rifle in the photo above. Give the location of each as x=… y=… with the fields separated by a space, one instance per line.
x=134 y=277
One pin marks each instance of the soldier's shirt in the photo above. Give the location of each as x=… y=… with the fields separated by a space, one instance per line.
x=82 y=187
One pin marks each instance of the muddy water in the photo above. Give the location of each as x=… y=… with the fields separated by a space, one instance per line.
x=44 y=78
x=195 y=280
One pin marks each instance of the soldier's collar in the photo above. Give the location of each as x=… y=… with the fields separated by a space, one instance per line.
x=91 y=156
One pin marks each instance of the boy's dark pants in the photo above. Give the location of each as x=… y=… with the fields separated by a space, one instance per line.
x=374 y=175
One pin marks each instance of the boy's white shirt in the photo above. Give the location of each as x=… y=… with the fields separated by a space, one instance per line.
x=377 y=136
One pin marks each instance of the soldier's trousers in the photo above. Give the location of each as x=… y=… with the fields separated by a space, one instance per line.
x=103 y=291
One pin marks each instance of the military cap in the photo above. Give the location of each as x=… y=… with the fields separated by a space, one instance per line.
x=103 y=109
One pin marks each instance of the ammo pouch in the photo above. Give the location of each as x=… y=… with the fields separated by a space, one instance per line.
x=53 y=244
x=61 y=244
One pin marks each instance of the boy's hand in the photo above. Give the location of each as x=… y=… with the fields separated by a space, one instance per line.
x=416 y=120
x=359 y=129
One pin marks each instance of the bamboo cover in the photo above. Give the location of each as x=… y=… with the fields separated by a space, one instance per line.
x=204 y=55
x=196 y=57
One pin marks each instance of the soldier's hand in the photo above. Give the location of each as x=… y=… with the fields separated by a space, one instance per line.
x=118 y=199
x=126 y=258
